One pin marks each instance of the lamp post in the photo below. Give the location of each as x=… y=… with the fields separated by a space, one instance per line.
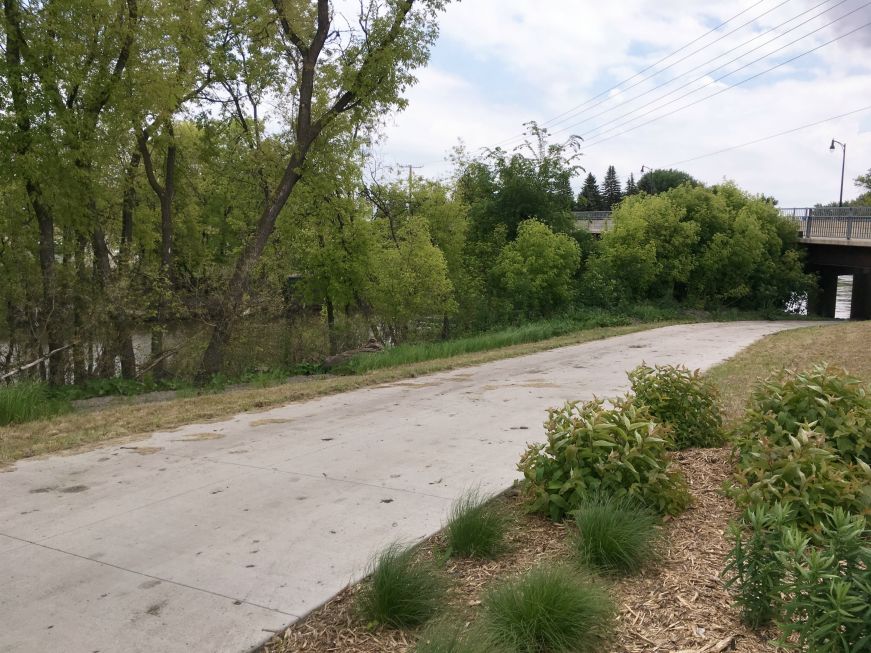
x=652 y=183
x=843 y=162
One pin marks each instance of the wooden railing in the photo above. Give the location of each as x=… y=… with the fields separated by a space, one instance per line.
x=837 y=223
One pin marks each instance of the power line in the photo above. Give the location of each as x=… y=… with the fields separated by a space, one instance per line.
x=687 y=72
x=681 y=60
x=723 y=90
x=771 y=136
x=641 y=72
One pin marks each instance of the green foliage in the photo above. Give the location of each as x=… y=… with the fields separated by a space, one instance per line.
x=828 y=593
x=535 y=272
x=805 y=474
x=401 y=590
x=836 y=404
x=753 y=569
x=615 y=535
x=451 y=637
x=548 y=609
x=663 y=180
x=590 y=198
x=706 y=247
x=476 y=526
x=611 y=191
x=26 y=402
x=683 y=400
x=593 y=449
x=506 y=337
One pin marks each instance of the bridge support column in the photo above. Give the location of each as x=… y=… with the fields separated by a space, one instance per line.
x=823 y=304
x=860 y=302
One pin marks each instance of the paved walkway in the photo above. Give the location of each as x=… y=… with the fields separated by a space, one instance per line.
x=212 y=536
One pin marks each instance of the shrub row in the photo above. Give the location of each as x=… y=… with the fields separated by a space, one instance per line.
x=801 y=551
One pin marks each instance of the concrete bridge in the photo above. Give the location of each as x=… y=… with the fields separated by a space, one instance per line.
x=838 y=242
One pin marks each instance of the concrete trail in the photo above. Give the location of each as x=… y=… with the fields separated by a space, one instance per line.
x=211 y=536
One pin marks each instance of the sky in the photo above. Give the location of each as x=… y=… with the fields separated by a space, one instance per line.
x=565 y=64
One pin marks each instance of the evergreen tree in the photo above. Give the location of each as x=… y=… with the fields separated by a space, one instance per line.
x=590 y=199
x=611 y=191
x=631 y=188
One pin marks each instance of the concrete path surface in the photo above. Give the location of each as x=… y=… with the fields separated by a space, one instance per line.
x=212 y=536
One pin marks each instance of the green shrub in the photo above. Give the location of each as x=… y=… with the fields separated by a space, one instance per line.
x=828 y=397
x=593 y=449
x=547 y=609
x=476 y=527
x=401 y=590
x=753 y=569
x=828 y=593
x=682 y=399
x=26 y=402
x=615 y=535
x=804 y=473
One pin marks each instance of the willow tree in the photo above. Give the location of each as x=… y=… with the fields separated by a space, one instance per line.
x=341 y=73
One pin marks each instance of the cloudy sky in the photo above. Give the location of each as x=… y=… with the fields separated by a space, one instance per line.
x=500 y=63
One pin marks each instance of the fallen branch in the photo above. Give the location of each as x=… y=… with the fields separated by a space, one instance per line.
x=34 y=363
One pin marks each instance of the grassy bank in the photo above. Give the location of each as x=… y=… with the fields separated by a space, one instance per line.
x=125 y=420
x=845 y=345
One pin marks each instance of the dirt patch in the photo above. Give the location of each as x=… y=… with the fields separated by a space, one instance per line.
x=144 y=451
x=199 y=437
x=272 y=420
x=678 y=605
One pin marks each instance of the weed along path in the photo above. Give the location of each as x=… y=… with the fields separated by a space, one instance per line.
x=214 y=536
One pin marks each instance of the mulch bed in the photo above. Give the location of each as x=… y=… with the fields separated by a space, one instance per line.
x=678 y=605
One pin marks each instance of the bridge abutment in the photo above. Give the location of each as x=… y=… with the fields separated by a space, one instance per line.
x=860 y=302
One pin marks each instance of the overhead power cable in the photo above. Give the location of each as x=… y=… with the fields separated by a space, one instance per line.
x=723 y=90
x=771 y=136
x=673 y=64
x=708 y=73
x=641 y=72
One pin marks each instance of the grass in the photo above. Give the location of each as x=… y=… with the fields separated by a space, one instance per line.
x=550 y=609
x=844 y=345
x=125 y=421
x=476 y=527
x=27 y=402
x=402 y=590
x=451 y=637
x=615 y=535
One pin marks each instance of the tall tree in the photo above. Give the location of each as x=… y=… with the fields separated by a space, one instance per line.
x=631 y=188
x=611 y=191
x=338 y=79
x=590 y=199
x=662 y=180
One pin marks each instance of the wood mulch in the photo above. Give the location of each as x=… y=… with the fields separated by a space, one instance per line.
x=678 y=605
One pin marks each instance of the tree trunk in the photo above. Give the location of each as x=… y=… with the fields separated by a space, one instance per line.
x=331 y=328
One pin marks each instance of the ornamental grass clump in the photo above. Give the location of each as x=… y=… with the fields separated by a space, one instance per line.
x=476 y=527
x=446 y=636
x=550 y=609
x=684 y=400
x=615 y=536
x=591 y=449
x=401 y=591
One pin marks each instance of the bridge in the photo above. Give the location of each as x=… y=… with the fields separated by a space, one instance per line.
x=838 y=242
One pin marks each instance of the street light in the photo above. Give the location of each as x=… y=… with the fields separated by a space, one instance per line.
x=843 y=162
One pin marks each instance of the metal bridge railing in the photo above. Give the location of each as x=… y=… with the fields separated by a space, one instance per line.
x=843 y=223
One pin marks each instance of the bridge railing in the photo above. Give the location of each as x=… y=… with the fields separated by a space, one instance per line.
x=843 y=223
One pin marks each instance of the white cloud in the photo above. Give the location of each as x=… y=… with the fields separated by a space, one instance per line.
x=500 y=63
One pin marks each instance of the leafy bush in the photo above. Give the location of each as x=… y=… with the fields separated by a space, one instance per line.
x=828 y=397
x=828 y=604
x=806 y=474
x=401 y=589
x=752 y=566
x=547 y=609
x=593 y=449
x=682 y=399
x=615 y=535
x=25 y=402
x=476 y=527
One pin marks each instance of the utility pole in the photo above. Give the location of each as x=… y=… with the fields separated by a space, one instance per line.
x=411 y=168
